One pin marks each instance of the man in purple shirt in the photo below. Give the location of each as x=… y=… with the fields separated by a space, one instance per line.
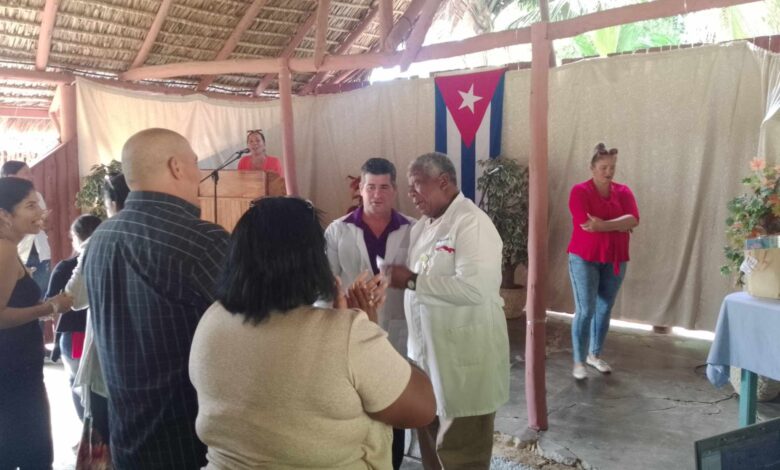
x=371 y=232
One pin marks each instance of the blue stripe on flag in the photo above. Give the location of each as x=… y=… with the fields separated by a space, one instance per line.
x=496 y=118
x=468 y=170
x=440 y=123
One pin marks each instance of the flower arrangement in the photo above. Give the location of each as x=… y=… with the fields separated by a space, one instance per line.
x=752 y=214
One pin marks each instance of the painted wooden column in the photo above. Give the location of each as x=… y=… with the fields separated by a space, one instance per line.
x=67 y=113
x=536 y=304
x=288 y=136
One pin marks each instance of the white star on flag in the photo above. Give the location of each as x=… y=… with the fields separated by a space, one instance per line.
x=469 y=98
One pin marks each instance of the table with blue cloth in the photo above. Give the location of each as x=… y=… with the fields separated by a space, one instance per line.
x=746 y=337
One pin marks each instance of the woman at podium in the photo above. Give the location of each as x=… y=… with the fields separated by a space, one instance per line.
x=257 y=158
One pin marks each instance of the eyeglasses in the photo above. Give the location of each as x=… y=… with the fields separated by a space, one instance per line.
x=307 y=203
x=255 y=131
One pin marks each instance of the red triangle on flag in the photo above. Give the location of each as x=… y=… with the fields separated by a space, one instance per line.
x=467 y=97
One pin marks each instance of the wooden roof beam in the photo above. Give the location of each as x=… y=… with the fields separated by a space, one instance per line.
x=480 y=43
x=151 y=36
x=288 y=51
x=36 y=76
x=232 y=41
x=24 y=112
x=322 y=32
x=44 y=35
x=633 y=13
x=343 y=48
x=416 y=38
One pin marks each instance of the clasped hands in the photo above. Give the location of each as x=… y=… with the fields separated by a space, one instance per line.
x=366 y=293
x=59 y=304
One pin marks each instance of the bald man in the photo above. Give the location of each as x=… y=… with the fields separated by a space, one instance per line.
x=150 y=273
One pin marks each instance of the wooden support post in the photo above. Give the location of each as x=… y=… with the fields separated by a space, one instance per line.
x=536 y=304
x=288 y=137
x=67 y=113
x=544 y=10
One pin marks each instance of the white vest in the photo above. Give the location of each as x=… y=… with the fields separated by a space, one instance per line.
x=457 y=329
x=349 y=257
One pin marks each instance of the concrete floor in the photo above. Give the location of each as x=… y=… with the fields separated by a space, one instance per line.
x=646 y=414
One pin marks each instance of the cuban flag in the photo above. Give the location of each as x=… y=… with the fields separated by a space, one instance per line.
x=469 y=115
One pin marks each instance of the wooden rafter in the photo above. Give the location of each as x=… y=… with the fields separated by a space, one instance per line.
x=398 y=34
x=343 y=48
x=323 y=10
x=151 y=36
x=416 y=38
x=404 y=25
x=484 y=42
x=44 y=35
x=232 y=41
x=385 y=20
x=288 y=51
x=24 y=113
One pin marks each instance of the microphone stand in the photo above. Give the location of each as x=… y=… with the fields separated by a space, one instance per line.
x=214 y=175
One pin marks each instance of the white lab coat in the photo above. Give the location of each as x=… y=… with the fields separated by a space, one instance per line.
x=348 y=258
x=457 y=329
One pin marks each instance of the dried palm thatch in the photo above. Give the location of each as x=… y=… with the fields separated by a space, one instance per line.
x=102 y=38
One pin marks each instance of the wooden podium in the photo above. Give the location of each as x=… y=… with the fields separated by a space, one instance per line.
x=235 y=191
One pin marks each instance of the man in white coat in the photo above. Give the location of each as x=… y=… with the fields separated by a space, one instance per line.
x=375 y=230
x=457 y=329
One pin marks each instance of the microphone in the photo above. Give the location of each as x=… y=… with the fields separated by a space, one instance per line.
x=242 y=151
x=495 y=170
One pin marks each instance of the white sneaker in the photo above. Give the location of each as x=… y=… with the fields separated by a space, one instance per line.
x=579 y=371
x=599 y=364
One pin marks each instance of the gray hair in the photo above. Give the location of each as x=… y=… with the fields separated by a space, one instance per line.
x=434 y=164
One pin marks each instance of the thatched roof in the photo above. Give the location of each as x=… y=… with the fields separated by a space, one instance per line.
x=101 y=38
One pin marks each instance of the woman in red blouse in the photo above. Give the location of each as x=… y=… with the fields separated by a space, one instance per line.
x=257 y=158
x=603 y=215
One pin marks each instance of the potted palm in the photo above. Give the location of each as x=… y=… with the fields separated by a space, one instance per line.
x=504 y=188
x=90 y=198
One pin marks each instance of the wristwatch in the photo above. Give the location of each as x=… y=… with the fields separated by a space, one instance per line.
x=411 y=283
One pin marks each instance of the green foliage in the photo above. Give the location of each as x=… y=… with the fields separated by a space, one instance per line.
x=505 y=194
x=752 y=214
x=90 y=197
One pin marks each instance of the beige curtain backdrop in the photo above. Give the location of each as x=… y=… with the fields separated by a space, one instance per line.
x=686 y=122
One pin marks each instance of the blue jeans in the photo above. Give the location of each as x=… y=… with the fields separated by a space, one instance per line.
x=595 y=287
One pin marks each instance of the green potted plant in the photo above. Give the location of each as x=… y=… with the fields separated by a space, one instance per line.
x=752 y=214
x=504 y=188
x=90 y=198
